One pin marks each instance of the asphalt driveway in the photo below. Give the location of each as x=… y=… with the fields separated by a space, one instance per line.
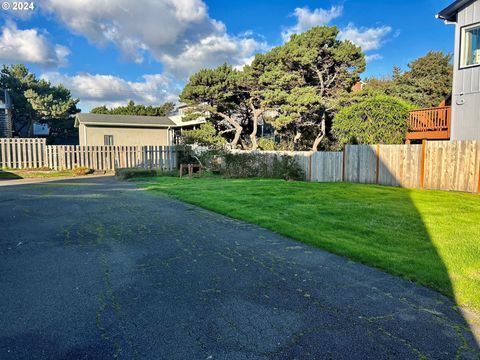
x=95 y=268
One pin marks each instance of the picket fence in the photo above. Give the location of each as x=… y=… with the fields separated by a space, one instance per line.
x=441 y=165
x=35 y=154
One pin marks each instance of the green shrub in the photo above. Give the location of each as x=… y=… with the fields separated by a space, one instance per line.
x=212 y=160
x=249 y=165
x=130 y=173
x=206 y=135
x=81 y=171
x=266 y=144
x=376 y=120
x=286 y=167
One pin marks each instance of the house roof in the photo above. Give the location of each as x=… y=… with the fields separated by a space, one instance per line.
x=178 y=120
x=451 y=11
x=123 y=120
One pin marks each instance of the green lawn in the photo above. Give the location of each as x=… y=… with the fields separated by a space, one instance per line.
x=432 y=237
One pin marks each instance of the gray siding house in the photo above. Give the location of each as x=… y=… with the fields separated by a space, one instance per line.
x=465 y=123
x=5 y=114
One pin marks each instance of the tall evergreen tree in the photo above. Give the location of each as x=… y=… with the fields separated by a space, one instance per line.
x=37 y=100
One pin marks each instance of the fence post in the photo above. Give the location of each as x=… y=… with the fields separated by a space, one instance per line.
x=377 y=174
x=422 y=165
x=344 y=164
x=310 y=175
x=144 y=151
x=478 y=153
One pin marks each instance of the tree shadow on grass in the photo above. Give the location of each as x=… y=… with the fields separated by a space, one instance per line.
x=427 y=236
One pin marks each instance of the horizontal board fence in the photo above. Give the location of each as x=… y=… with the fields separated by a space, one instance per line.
x=440 y=165
x=35 y=154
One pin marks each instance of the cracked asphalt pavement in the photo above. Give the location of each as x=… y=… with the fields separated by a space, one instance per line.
x=96 y=268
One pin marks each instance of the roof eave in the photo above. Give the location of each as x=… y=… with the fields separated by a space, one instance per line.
x=446 y=18
x=451 y=11
x=126 y=125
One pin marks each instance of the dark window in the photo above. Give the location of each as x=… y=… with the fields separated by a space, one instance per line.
x=108 y=139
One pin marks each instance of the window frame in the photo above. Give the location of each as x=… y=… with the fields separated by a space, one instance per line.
x=463 y=30
x=105 y=137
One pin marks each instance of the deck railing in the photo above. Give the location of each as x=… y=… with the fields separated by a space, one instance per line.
x=431 y=119
x=431 y=123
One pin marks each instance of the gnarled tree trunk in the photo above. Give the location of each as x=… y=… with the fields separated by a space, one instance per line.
x=236 y=125
x=320 y=135
x=253 y=135
x=256 y=113
x=296 y=140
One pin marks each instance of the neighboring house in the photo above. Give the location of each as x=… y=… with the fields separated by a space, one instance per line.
x=101 y=129
x=458 y=117
x=5 y=114
x=359 y=85
x=466 y=76
x=178 y=119
x=40 y=129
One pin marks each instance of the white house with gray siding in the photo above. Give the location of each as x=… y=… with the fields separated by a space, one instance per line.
x=465 y=14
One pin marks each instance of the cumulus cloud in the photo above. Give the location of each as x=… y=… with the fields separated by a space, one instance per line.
x=30 y=46
x=95 y=90
x=199 y=55
x=307 y=19
x=178 y=33
x=367 y=38
x=373 y=57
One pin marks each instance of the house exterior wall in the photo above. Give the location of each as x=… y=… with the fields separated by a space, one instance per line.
x=5 y=123
x=466 y=84
x=5 y=114
x=94 y=135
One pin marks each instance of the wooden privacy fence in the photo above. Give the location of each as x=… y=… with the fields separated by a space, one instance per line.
x=34 y=154
x=441 y=165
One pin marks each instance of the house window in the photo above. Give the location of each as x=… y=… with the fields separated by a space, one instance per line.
x=470 y=52
x=108 y=139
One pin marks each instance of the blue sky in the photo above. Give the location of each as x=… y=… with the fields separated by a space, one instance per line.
x=111 y=51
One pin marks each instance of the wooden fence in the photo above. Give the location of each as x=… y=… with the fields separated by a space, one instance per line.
x=441 y=165
x=34 y=154
x=22 y=153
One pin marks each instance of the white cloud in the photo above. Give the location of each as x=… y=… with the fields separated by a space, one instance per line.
x=199 y=55
x=373 y=57
x=367 y=38
x=178 y=33
x=30 y=46
x=307 y=19
x=95 y=90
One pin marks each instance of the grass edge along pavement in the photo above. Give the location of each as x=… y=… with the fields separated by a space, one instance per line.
x=431 y=237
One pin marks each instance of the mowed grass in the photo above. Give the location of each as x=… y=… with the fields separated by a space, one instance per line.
x=431 y=237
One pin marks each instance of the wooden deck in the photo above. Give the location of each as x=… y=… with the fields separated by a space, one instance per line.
x=430 y=124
